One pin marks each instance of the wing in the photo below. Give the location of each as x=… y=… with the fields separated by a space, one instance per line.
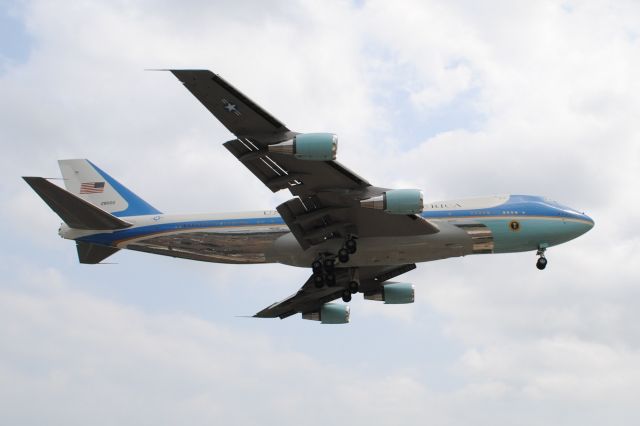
x=327 y=203
x=310 y=299
x=235 y=111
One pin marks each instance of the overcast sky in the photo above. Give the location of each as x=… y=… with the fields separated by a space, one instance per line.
x=459 y=98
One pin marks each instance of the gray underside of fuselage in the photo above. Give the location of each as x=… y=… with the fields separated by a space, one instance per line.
x=219 y=247
x=281 y=247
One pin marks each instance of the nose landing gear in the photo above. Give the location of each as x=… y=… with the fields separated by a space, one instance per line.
x=542 y=261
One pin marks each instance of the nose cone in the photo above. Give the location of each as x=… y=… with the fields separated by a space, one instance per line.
x=589 y=223
x=576 y=223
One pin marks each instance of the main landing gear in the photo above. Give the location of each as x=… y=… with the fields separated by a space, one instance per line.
x=542 y=261
x=350 y=246
x=324 y=272
x=324 y=269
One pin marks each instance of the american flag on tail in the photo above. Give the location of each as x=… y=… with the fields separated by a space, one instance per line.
x=91 y=188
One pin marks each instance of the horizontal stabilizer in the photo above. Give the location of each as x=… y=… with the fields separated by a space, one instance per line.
x=74 y=211
x=93 y=253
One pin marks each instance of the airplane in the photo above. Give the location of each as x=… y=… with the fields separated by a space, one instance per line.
x=355 y=237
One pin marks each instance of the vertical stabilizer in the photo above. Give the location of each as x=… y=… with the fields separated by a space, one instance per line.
x=85 y=180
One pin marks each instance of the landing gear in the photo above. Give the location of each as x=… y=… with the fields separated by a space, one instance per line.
x=542 y=261
x=350 y=245
x=347 y=249
x=329 y=265
x=343 y=255
x=346 y=296
x=324 y=268
x=330 y=279
x=321 y=279
x=318 y=280
x=324 y=271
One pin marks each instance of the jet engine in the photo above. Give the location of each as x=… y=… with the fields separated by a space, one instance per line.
x=330 y=313
x=396 y=201
x=394 y=293
x=309 y=146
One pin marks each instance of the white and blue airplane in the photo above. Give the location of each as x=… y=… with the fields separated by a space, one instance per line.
x=354 y=236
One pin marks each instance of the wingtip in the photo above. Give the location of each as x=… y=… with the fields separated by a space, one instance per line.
x=30 y=179
x=182 y=72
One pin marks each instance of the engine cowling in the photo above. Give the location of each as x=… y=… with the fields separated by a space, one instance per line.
x=309 y=146
x=394 y=293
x=397 y=201
x=330 y=313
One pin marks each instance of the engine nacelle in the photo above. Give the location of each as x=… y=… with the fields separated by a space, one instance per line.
x=309 y=146
x=330 y=313
x=397 y=201
x=394 y=293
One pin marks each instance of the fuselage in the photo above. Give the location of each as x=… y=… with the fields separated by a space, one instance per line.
x=498 y=224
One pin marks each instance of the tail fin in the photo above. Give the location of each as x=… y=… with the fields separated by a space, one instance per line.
x=85 y=180
x=74 y=211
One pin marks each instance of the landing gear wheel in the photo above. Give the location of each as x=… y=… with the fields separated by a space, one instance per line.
x=343 y=255
x=330 y=279
x=541 y=263
x=318 y=280
x=317 y=267
x=351 y=245
x=329 y=264
x=354 y=286
x=346 y=296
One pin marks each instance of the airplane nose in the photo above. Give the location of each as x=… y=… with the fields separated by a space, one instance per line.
x=588 y=222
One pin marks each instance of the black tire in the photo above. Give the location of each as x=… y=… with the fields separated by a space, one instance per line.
x=541 y=263
x=329 y=265
x=317 y=267
x=343 y=256
x=330 y=279
x=354 y=286
x=351 y=246
x=346 y=296
x=318 y=280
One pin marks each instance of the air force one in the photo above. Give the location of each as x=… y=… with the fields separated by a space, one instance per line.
x=355 y=237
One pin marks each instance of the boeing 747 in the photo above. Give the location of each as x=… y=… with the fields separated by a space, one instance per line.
x=353 y=236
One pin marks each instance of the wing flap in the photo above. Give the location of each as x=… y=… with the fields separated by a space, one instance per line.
x=262 y=165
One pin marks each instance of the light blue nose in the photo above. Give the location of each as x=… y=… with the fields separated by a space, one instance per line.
x=588 y=222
